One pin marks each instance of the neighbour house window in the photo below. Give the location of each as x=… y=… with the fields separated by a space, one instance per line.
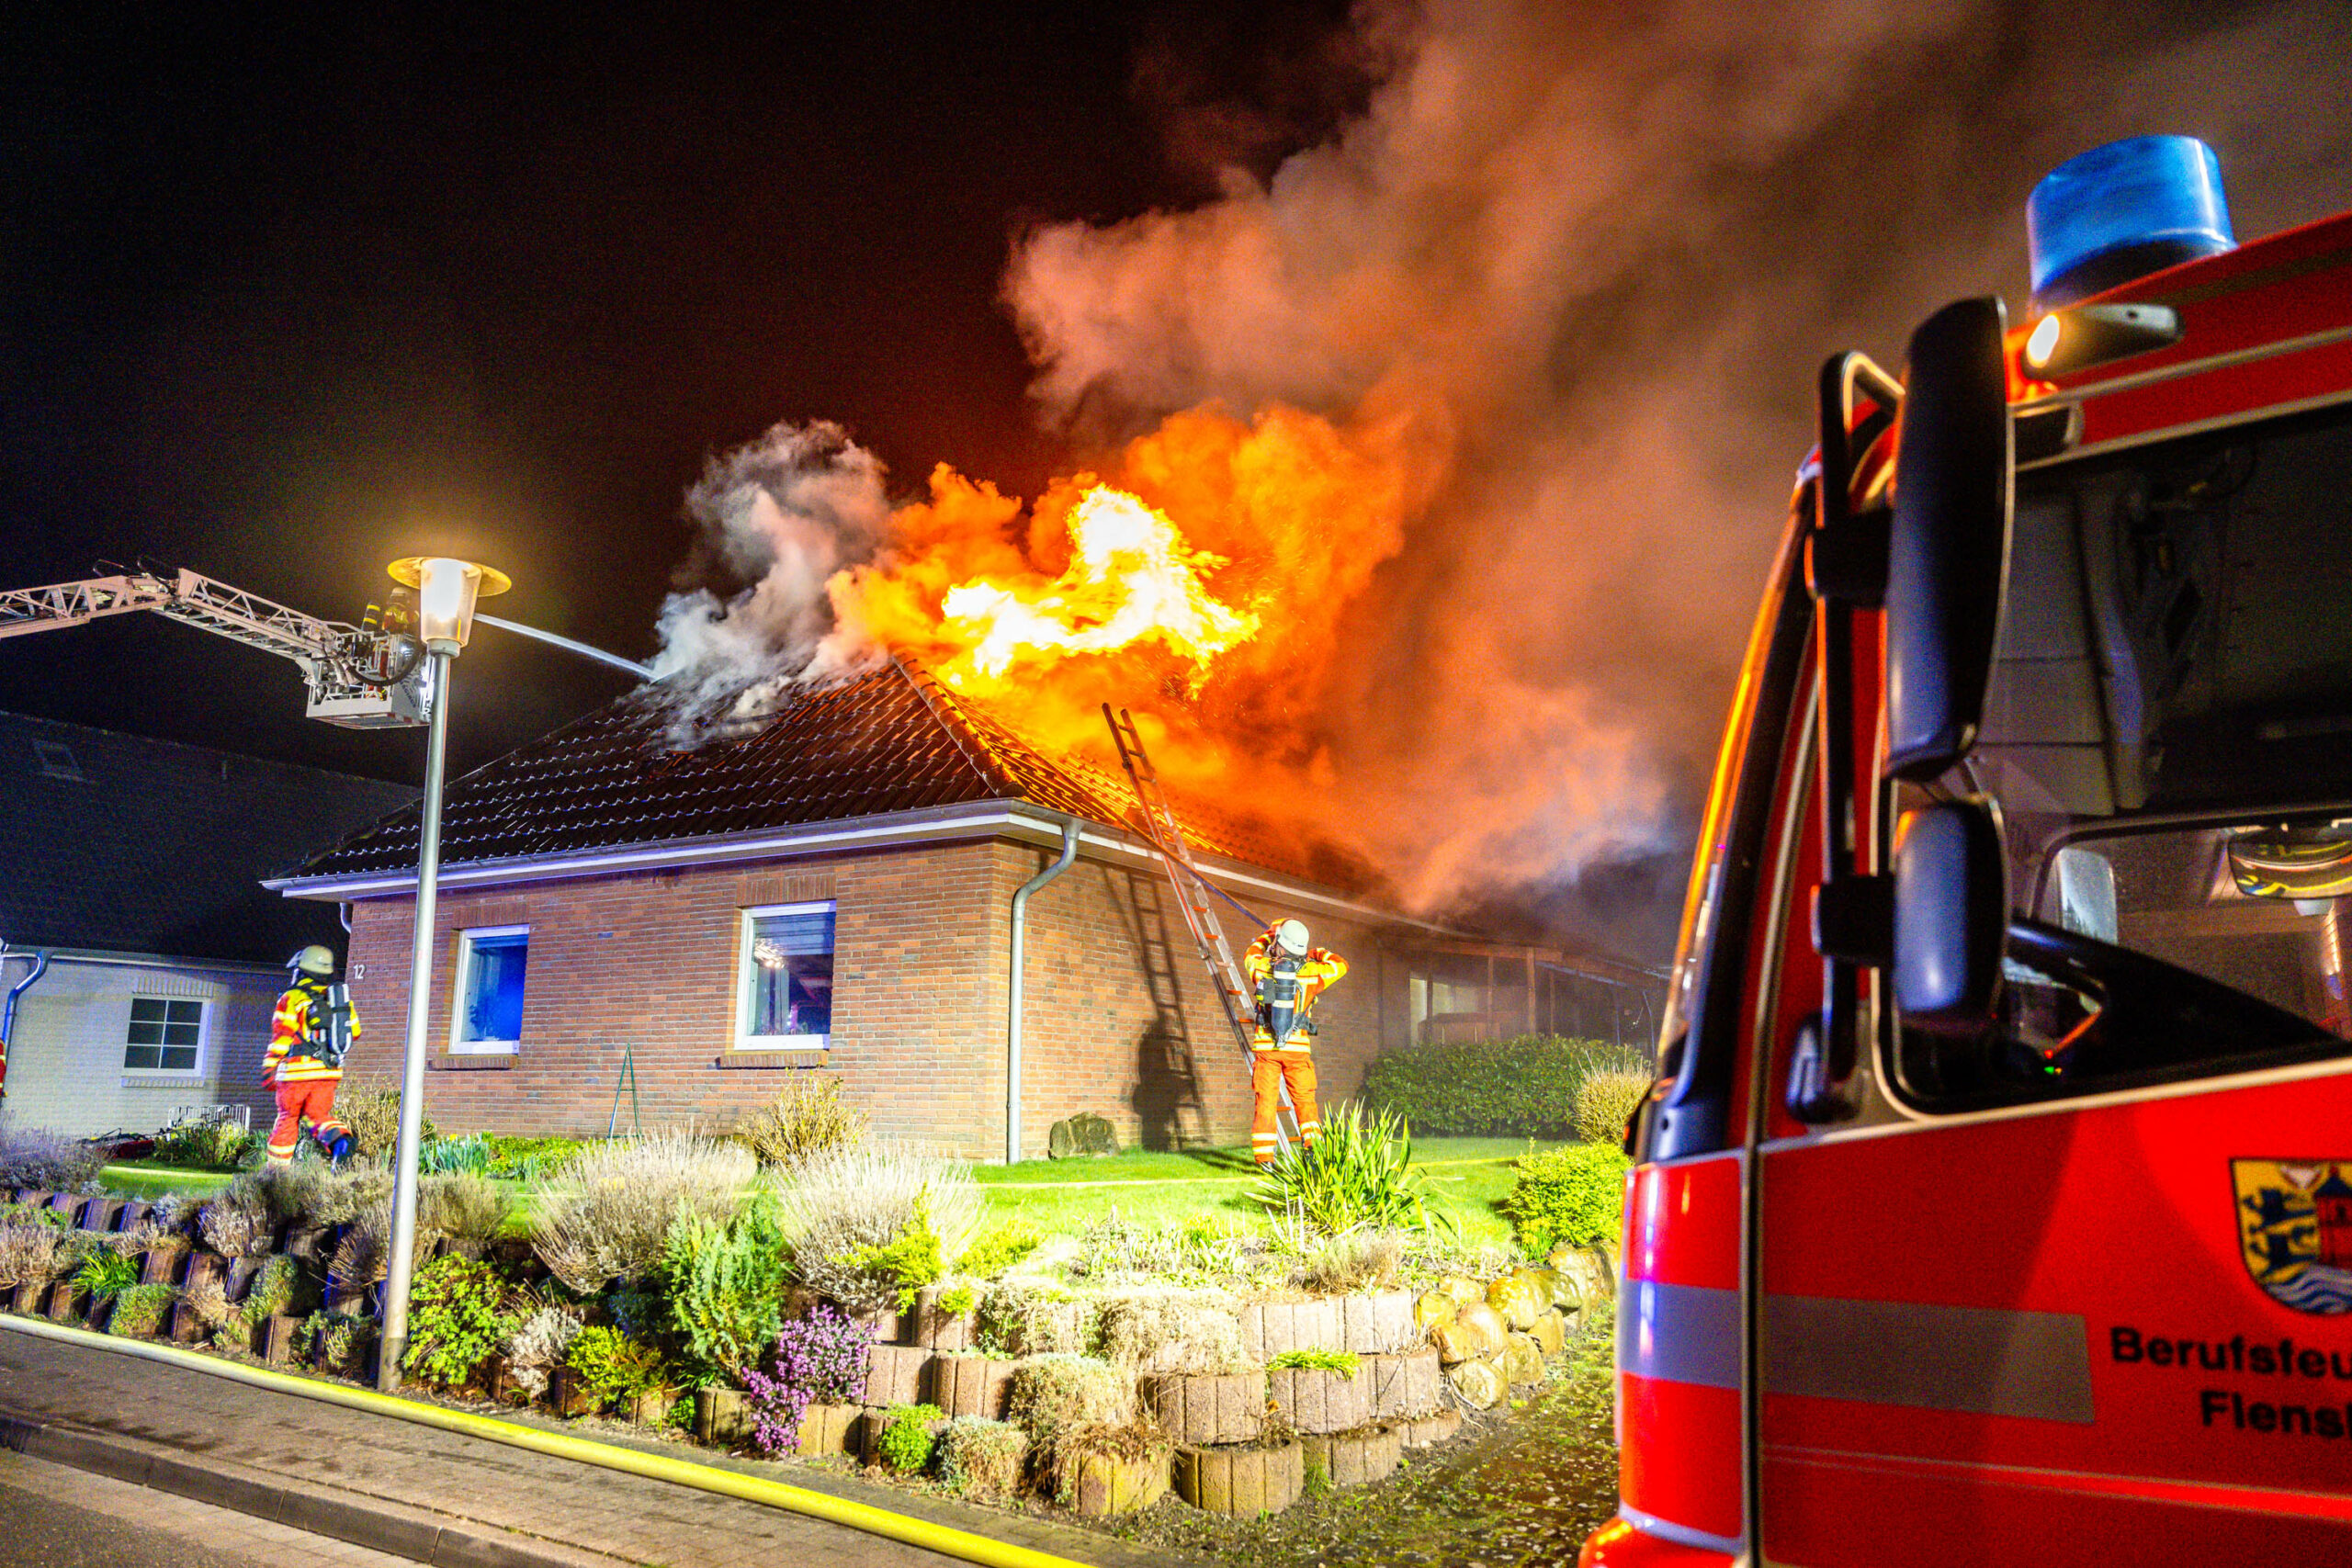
x=786 y=978
x=165 y=1036
x=490 y=988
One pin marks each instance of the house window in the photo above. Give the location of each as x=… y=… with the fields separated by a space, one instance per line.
x=786 y=978
x=490 y=988
x=57 y=761
x=165 y=1036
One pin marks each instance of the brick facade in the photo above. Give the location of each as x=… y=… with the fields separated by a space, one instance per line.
x=1121 y=1020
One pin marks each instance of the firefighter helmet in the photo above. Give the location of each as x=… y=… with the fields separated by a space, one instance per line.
x=315 y=959
x=1291 y=937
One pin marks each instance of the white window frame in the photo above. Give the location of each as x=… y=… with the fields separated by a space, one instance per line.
x=815 y=1044
x=203 y=1038
x=463 y=991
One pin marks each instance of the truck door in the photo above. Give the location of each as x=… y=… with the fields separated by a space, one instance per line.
x=2077 y=1289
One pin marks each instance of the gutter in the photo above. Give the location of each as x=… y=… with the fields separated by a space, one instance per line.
x=8 y=1010
x=978 y=820
x=1012 y=1021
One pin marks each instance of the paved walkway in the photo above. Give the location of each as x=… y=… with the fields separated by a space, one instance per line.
x=486 y=1492
x=71 y=1519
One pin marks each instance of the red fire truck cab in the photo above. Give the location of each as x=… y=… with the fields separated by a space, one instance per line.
x=1995 y=1204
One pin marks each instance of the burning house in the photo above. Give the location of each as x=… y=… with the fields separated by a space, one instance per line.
x=829 y=890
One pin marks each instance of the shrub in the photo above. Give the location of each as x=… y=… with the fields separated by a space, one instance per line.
x=1358 y=1174
x=1036 y=1317
x=1606 y=1100
x=464 y=1207
x=819 y=1359
x=1197 y=1252
x=1522 y=1086
x=236 y=1223
x=208 y=1301
x=296 y=1192
x=140 y=1238
x=371 y=1109
x=362 y=1256
x=447 y=1156
x=457 y=1316
x=213 y=1143
x=518 y=1158
x=31 y=1252
x=902 y=1266
x=980 y=1460
x=139 y=1311
x=611 y=1366
x=857 y=1218
x=106 y=1274
x=726 y=1283
x=1365 y=1260
x=1340 y=1361
x=271 y=1293
x=35 y=1156
x=1054 y=1393
x=997 y=1250
x=1172 y=1331
x=337 y=1340
x=606 y=1215
x=905 y=1441
x=807 y=1119
x=537 y=1345
x=1574 y=1195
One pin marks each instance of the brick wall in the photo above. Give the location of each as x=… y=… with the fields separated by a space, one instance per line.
x=1120 y=1018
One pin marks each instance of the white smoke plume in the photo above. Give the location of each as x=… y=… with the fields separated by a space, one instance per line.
x=781 y=515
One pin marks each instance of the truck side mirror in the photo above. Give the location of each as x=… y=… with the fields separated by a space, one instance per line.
x=1951 y=916
x=1948 y=551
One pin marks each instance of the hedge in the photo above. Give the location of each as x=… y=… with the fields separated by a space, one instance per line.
x=1524 y=1086
x=1574 y=1195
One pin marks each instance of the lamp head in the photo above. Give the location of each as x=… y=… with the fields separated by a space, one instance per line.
x=446 y=590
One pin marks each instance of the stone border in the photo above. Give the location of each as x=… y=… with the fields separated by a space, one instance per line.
x=1358 y=1458
x=1240 y=1481
x=1313 y=1400
x=1202 y=1408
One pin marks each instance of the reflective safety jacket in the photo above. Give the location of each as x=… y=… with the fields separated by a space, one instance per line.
x=315 y=1024
x=1318 y=972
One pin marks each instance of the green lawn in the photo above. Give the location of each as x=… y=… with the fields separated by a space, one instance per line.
x=1466 y=1175
x=1063 y=1197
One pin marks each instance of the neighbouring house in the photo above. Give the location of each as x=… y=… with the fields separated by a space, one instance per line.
x=134 y=869
x=828 y=891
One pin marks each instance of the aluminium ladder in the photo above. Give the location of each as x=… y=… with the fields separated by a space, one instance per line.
x=1193 y=893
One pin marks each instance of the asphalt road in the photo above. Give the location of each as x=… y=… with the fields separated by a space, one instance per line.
x=54 y=1517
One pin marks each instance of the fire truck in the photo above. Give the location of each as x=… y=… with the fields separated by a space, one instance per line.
x=1995 y=1201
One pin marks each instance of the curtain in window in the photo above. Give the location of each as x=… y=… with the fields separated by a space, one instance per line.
x=792 y=974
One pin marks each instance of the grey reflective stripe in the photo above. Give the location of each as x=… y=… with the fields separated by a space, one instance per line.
x=1981 y=1360
x=1681 y=1333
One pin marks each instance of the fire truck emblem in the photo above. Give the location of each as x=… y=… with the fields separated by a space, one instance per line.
x=2295 y=1230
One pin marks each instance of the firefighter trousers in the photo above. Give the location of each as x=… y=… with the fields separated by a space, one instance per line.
x=1270 y=1071
x=310 y=1098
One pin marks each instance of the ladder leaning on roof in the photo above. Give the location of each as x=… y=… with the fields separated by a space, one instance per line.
x=1193 y=891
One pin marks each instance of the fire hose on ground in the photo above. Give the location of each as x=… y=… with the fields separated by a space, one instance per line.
x=842 y=1511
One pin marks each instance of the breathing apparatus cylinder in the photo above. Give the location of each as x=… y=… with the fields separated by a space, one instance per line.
x=1279 y=992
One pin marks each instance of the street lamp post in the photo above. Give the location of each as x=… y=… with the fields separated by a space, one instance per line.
x=445 y=592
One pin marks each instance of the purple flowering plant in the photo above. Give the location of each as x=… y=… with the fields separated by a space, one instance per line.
x=817 y=1359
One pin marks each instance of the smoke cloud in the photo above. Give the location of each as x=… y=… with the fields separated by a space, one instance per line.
x=1553 y=301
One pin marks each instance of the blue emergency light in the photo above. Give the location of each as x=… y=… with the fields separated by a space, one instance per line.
x=2121 y=211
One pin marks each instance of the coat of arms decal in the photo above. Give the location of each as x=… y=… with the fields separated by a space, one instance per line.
x=2295 y=1230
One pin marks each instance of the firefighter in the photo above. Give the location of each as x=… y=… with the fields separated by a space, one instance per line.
x=1287 y=974
x=314 y=1026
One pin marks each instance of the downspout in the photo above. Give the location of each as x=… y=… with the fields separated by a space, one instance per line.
x=9 y=1010
x=1013 y=1024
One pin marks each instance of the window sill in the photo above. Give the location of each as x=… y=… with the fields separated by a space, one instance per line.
x=473 y=1062
x=136 y=1077
x=786 y=1056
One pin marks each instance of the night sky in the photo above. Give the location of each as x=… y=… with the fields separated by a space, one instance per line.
x=284 y=296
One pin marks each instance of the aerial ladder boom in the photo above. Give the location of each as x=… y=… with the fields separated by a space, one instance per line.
x=1193 y=895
